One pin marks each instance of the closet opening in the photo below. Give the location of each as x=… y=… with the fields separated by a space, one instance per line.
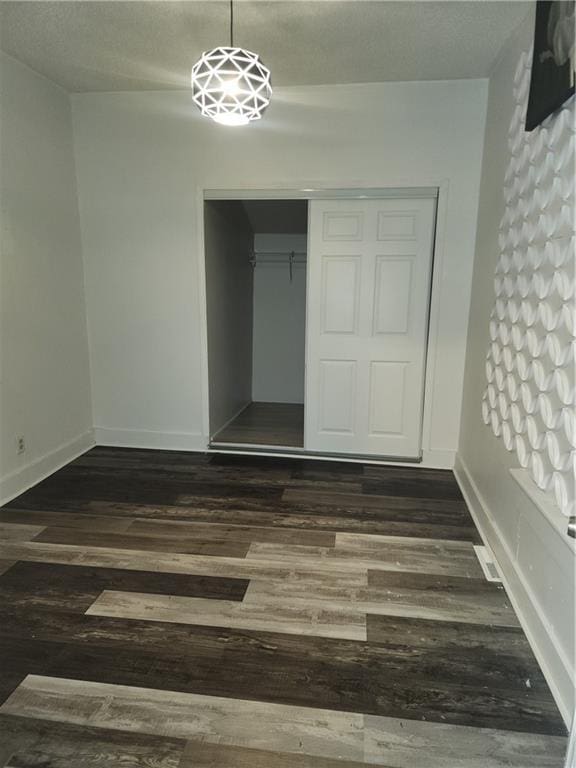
x=256 y=270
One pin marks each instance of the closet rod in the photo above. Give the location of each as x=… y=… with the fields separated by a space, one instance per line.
x=290 y=254
x=256 y=258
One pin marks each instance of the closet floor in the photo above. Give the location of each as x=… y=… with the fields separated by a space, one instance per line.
x=274 y=424
x=184 y=610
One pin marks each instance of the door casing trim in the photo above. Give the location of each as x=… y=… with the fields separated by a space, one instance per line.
x=438 y=189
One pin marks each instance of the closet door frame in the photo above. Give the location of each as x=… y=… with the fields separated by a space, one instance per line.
x=436 y=188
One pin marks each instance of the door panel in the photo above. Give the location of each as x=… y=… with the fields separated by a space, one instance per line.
x=393 y=291
x=367 y=322
x=398 y=225
x=346 y=225
x=340 y=294
x=386 y=415
x=337 y=396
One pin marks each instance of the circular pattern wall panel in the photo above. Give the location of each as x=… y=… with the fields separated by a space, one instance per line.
x=529 y=399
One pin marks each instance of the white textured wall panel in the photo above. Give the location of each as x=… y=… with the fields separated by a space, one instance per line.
x=529 y=397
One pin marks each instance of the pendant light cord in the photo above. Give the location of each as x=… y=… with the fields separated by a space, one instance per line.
x=231 y=23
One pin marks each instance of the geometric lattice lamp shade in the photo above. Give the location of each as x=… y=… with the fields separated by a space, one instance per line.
x=231 y=85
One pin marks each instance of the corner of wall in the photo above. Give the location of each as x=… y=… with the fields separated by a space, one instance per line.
x=31 y=474
x=82 y=261
x=46 y=389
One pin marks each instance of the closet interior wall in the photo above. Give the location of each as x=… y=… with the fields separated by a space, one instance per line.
x=229 y=243
x=279 y=331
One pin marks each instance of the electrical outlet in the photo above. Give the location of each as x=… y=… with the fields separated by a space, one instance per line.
x=20 y=445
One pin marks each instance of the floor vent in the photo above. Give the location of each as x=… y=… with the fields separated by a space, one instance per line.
x=488 y=564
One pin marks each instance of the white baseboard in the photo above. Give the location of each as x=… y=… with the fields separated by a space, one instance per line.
x=22 y=479
x=142 y=438
x=556 y=667
x=571 y=753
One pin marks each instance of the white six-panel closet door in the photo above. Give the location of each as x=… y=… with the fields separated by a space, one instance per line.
x=367 y=323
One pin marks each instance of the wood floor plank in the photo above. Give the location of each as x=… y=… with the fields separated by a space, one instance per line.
x=200 y=565
x=32 y=743
x=190 y=716
x=208 y=476
x=382 y=553
x=279 y=514
x=206 y=471
x=299 y=619
x=200 y=755
x=416 y=744
x=443 y=598
x=411 y=482
x=178 y=544
x=405 y=744
x=144 y=457
x=5 y=565
x=331 y=472
x=425 y=596
x=255 y=462
x=280 y=424
x=362 y=542
x=74 y=587
x=65 y=520
x=18 y=531
x=441 y=636
x=244 y=533
x=135 y=488
x=455 y=507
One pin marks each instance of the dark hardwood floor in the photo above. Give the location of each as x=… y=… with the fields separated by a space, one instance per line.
x=277 y=425
x=177 y=610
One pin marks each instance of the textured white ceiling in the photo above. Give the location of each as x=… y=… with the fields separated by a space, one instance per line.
x=109 y=46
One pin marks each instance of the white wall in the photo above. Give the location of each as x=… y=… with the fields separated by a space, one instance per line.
x=45 y=381
x=143 y=159
x=530 y=541
x=279 y=322
x=228 y=241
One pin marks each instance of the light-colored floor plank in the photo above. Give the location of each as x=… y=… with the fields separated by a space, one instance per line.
x=19 y=531
x=200 y=755
x=320 y=621
x=362 y=542
x=403 y=743
x=275 y=727
x=226 y=567
x=383 y=552
x=473 y=606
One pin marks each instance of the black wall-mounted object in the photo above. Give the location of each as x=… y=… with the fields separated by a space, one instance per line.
x=552 y=80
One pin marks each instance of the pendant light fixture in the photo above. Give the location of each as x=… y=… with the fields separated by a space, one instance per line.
x=231 y=85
